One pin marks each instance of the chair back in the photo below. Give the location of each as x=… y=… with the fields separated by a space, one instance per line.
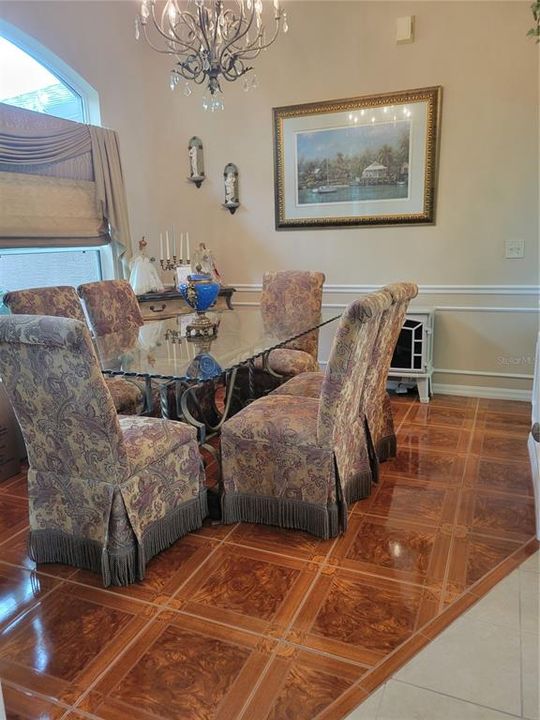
x=53 y=380
x=111 y=306
x=294 y=298
x=59 y=301
x=390 y=327
x=343 y=383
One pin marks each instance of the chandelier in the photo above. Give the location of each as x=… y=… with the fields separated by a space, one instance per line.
x=211 y=40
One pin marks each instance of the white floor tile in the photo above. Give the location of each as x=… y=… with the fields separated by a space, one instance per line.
x=368 y=709
x=405 y=702
x=501 y=605
x=532 y=564
x=530 y=602
x=473 y=661
x=530 y=657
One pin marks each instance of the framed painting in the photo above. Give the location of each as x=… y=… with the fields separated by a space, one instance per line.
x=363 y=161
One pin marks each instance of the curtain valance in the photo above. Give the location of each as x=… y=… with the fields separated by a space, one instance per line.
x=42 y=149
x=41 y=141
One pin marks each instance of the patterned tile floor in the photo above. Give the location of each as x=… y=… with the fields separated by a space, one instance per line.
x=252 y=623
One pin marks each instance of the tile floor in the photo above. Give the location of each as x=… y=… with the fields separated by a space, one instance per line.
x=485 y=666
x=252 y=623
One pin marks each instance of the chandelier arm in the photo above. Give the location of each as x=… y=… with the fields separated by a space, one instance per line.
x=257 y=50
x=230 y=76
x=189 y=20
x=240 y=35
x=164 y=35
x=197 y=77
x=155 y=47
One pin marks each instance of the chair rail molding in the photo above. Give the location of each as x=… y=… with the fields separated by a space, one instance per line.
x=344 y=289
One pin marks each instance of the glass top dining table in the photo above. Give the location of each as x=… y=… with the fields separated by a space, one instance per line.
x=162 y=349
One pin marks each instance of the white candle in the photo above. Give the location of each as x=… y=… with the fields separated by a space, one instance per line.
x=187 y=246
x=174 y=353
x=173 y=242
x=181 y=246
x=161 y=246
x=168 y=350
x=167 y=244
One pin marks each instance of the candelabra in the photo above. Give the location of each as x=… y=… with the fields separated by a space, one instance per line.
x=173 y=263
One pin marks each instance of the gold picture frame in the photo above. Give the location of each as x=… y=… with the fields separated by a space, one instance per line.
x=368 y=160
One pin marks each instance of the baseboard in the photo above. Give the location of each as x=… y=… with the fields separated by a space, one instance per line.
x=482 y=391
x=479 y=391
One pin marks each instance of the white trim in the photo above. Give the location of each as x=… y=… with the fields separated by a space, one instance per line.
x=484 y=373
x=483 y=308
x=493 y=393
x=88 y=94
x=438 y=308
x=422 y=289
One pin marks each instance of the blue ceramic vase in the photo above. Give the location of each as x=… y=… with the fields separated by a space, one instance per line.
x=200 y=291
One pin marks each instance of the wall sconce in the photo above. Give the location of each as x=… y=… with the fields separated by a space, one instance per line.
x=230 y=179
x=196 y=162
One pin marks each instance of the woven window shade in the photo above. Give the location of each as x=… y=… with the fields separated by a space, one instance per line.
x=39 y=211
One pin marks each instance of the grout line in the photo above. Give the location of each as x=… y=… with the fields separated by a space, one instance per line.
x=27 y=691
x=455 y=697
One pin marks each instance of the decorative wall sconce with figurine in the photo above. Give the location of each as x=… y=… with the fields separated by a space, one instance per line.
x=196 y=162
x=230 y=179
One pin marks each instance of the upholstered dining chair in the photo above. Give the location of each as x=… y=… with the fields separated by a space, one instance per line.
x=289 y=297
x=297 y=462
x=376 y=401
x=105 y=494
x=62 y=301
x=111 y=306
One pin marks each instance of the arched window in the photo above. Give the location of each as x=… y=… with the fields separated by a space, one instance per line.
x=30 y=85
x=36 y=79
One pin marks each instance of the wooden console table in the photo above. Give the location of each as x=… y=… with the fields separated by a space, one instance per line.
x=167 y=304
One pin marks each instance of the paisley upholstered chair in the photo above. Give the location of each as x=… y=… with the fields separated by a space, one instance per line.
x=105 y=494
x=63 y=301
x=376 y=401
x=111 y=306
x=288 y=298
x=296 y=462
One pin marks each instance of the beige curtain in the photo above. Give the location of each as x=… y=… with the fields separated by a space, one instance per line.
x=34 y=144
x=111 y=195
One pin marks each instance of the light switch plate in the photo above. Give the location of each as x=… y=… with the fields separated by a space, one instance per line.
x=514 y=249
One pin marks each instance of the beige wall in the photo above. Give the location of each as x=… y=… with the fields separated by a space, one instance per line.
x=488 y=172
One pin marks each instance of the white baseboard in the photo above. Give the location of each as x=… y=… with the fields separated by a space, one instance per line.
x=482 y=391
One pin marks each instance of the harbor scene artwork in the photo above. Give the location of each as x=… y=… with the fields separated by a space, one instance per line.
x=369 y=160
x=353 y=163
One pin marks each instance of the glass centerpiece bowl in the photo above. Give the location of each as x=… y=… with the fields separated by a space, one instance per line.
x=200 y=292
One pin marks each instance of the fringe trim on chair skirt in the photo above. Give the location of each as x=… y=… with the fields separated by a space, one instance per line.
x=323 y=522
x=55 y=546
x=386 y=448
x=359 y=488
